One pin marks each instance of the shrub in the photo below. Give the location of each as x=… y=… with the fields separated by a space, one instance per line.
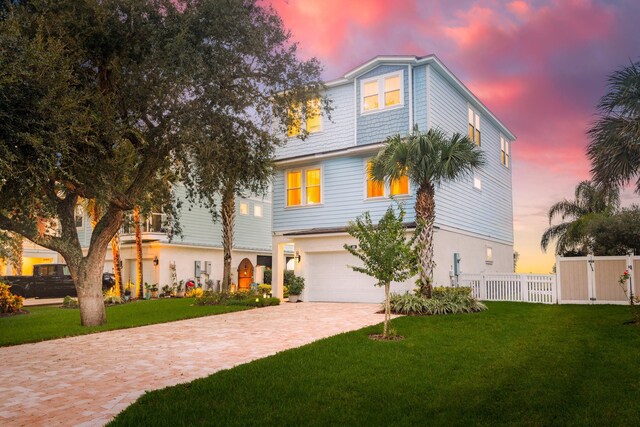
x=212 y=298
x=195 y=293
x=296 y=286
x=262 y=289
x=445 y=292
x=444 y=301
x=69 y=302
x=9 y=303
x=288 y=277
x=113 y=300
x=238 y=298
x=267 y=276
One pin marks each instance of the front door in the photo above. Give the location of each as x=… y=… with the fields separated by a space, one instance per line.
x=245 y=274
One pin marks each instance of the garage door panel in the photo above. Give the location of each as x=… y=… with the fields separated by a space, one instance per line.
x=331 y=280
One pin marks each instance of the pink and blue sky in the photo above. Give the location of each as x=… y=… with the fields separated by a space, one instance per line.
x=539 y=65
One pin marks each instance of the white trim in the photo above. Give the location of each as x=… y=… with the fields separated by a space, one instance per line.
x=302 y=159
x=437 y=226
x=381 y=92
x=410 y=95
x=355 y=112
x=258 y=205
x=303 y=186
x=428 y=71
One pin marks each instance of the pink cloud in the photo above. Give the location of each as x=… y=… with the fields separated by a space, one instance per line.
x=519 y=7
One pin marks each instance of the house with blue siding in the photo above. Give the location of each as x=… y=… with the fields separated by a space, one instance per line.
x=196 y=254
x=322 y=181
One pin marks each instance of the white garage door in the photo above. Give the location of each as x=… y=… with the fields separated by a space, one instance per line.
x=330 y=280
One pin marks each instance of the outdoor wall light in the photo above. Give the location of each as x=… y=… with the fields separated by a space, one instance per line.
x=156 y=261
x=297 y=256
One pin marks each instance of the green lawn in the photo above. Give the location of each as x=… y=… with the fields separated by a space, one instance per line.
x=515 y=364
x=45 y=323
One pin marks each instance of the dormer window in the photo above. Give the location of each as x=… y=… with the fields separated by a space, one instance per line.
x=474 y=126
x=381 y=92
x=313 y=122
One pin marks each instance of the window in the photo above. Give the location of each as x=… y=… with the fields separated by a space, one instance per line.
x=370 y=95
x=379 y=93
x=489 y=255
x=400 y=186
x=244 y=208
x=474 y=126
x=313 y=186
x=313 y=122
x=257 y=210
x=505 y=156
x=294 y=188
x=392 y=91
x=304 y=187
x=79 y=216
x=477 y=183
x=374 y=188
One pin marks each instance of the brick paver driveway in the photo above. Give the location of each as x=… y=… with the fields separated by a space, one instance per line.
x=89 y=379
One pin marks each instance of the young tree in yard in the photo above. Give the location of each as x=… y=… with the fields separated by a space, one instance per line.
x=113 y=100
x=385 y=252
x=428 y=159
x=614 y=149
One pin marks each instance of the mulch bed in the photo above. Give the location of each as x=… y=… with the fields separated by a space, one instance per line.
x=17 y=313
x=379 y=337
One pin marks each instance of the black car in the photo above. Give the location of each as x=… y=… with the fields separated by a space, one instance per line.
x=49 y=281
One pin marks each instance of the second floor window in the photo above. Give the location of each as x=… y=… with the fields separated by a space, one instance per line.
x=398 y=187
x=304 y=187
x=505 y=155
x=244 y=208
x=381 y=92
x=311 y=125
x=474 y=126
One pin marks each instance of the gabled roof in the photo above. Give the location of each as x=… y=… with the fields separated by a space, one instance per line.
x=434 y=61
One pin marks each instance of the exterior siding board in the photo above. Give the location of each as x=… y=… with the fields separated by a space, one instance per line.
x=420 y=97
x=250 y=232
x=336 y=133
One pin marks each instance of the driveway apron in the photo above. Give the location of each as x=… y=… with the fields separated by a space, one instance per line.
x=87 y=380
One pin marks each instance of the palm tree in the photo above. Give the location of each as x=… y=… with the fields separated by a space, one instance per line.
x=428 y=159
x=139 y=277
x=571 y=236
x=614 y=149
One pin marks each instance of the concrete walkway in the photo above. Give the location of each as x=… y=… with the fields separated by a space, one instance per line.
x=89 y=379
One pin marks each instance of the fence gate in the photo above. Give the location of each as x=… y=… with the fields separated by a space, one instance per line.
x=594 y=279
x=539 y=288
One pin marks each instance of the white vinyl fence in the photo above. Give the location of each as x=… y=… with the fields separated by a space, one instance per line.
x=579 y=280
x=540 y=288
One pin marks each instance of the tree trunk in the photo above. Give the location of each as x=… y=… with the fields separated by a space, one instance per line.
x=387 y=311
x=228 y=211
x=139 y=277
x=19 y=256
x=117 y=269
x=92 y=311
x=425 y=218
